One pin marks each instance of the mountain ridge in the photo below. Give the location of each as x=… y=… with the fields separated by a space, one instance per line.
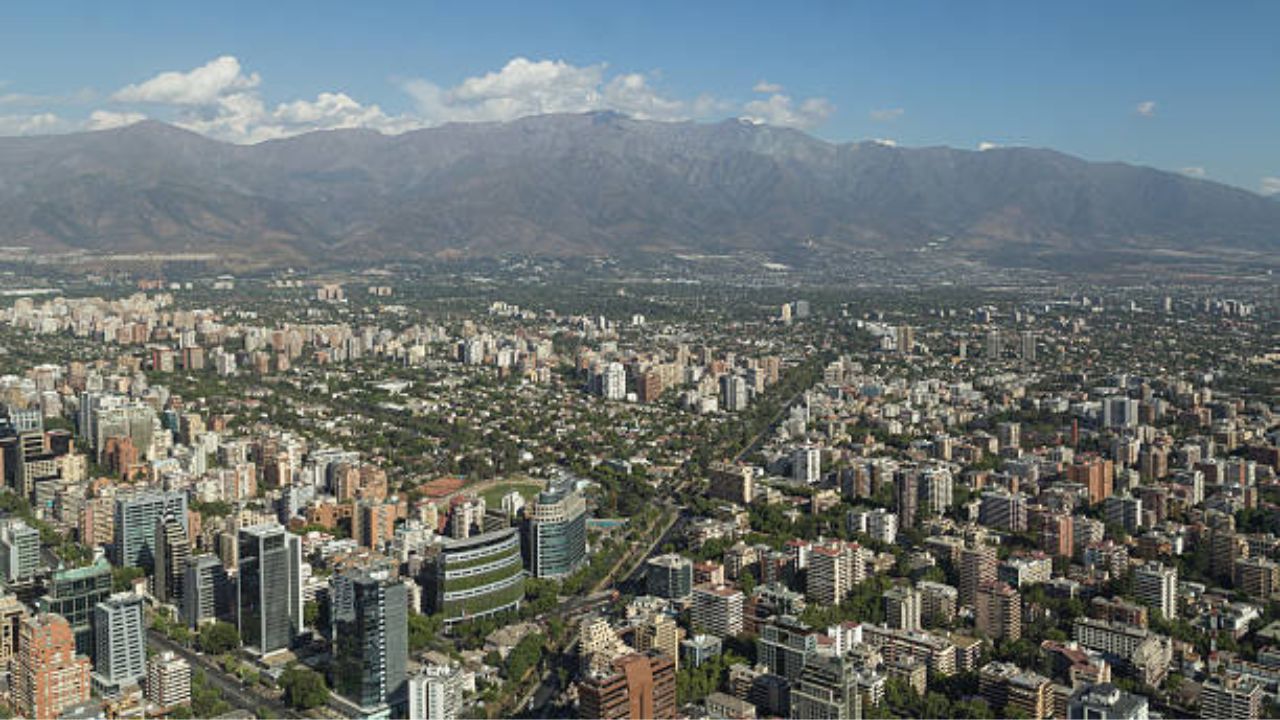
x=597 y=183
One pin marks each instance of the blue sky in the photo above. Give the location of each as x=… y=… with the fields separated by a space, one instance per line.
x=1183 y=86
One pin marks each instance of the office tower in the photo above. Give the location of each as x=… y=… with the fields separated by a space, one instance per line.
x=669 y=577
x=555 y=532
x=806 y=464
x=369 y=617
x=784 y=644
x=172 y=553
x=269 y=598
x=1124 y=511
x=435 y=693
x=475 y=577
x=73 y=594
x=998 y=612
x=374 y=523
x=903 y=607
x=613 y=382
x=977 y=566
x=1028 y=347
x=121 y=644
x=1231 y=697
x=1156 y=586
x=1004 y=510
x=206 y=592
x=1119 y=412
x=906 y=486
x=995 y=345
x=1009 y=435
x=717 y=610
x=906 y=339
x=735 y=483
x=640 y=686
x=827 y=689
x=136 y=517
x=935 y=491
x=49 y=676
x=168 y=680
x=1009 y=689
x=19 y=551
x=733 y=393
x=1105 y=701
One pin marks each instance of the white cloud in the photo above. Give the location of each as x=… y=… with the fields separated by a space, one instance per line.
x=984 y=145
x=35 y=124
x=779 y=109
x=526 y=87
x=201 y=86
x=1146 y=108
x=887 y=142
x=1270 y=186
x=1194 y=171
x=106 y=119
x=79 y=97
x=887 y=114
x=766 y=87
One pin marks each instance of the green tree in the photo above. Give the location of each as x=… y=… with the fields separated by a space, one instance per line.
x=122 y=577
x=303 y=688
x=218 y=638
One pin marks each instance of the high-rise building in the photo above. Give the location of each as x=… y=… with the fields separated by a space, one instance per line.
x=172 y=551
x=121 y=644
x=1257 y=577
x=833 y=570
x=1230 y=697
x=806 y=464
x=733 y=393
x=168 y=680
x=19 y=551
x=1004 y=510
x=1008 y=688
x=902 y=608
x=735 y=483
x=373 y=523
x=369 y=618
x=73 y=594
x=906 y=487
x=49 y=676
x=827 y=689
x=937 y=603
x=207 y=592
x=669 y=576
x=783 y=645
x=435 y=693
x=475 y=577
x=641 y=686
x=935 y=491
x=1009 y=435
x=977 y=566
x=660 y=633
x=135 y=525
x=1028 y=347
x=1156 y=585
x=613 y=382
x=555 y=532
x=998 y=611
x=1096 y=474
x=717 y=610
x=269 y=588
x=1105 y=701
x=1124 y=511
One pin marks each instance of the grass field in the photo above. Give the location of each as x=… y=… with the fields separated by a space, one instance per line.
x=527 y=488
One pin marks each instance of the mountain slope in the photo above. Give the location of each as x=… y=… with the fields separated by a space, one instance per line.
x=595 y=183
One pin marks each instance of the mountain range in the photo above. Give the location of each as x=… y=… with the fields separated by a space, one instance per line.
x=596 y=184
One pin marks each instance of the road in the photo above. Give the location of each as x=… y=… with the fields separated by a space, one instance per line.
x=232 y=690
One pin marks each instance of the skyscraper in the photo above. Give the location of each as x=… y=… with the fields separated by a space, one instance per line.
x=827 y=689
x=475 y=577
x=269 y=598
x=172 y=552
x=1156 y=586
x=669 y=576
x=806 y=464
x=555 y=532
x=49 y=676
x=121 y=644
x=19 y=551
x=998 y=611
x=639 y=686
x=369 y=616
x=206 y=590
x=135 y=531
x=73 y=594
x=906 y=490
x=168 y=680
x=977 y=566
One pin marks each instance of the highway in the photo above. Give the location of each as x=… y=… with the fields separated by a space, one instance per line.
x=232 y=690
